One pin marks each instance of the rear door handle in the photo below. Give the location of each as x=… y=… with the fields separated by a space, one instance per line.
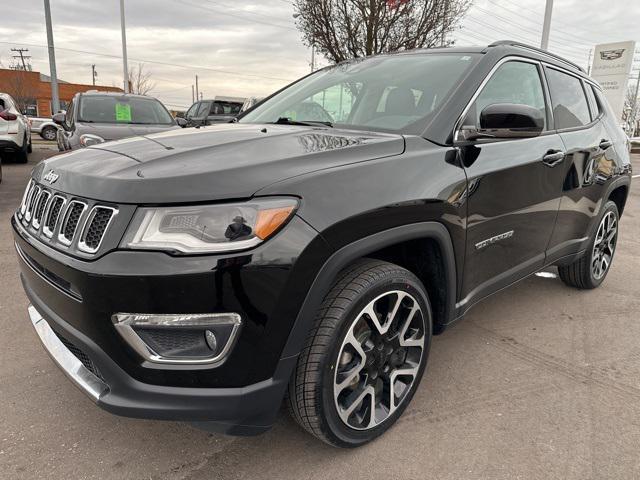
x=604 y=144
x=553 y=158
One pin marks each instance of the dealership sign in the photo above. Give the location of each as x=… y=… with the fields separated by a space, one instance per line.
x=611 y=67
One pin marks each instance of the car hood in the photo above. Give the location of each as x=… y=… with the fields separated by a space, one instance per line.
x=209 y=163
x=110 y=131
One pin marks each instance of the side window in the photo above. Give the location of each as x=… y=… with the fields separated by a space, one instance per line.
x=192 y=110
x=513 y=82
x=593 y=103
x=203 y=110
x=570 y=108
x=69 y=116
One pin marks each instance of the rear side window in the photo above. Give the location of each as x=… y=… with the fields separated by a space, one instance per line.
x=570 y=108
x=513 y=82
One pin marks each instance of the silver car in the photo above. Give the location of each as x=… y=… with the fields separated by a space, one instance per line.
x=96 y=117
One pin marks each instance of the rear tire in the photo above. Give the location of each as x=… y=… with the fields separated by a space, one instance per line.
x=22 y=155
x=354 y=378
x=591 y=269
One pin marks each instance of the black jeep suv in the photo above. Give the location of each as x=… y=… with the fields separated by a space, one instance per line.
x=205 y=275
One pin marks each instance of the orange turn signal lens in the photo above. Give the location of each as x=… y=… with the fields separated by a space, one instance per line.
x=270 y=220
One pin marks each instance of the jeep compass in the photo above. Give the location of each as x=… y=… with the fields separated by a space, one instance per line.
x=308 y=252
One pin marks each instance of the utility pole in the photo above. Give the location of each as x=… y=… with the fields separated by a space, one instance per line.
x=589 y=62
x=197 y=91
x=200 y=96
x=21 y=52
x=313 y=54
x=55 y=99
x=125 y=67
x=546 y=27
x=93 y=74
x=192 y=95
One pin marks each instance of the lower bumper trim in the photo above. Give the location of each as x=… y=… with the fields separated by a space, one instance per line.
x=67 y=361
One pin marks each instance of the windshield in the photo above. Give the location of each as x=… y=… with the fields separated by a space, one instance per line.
x=388 y=93
x=124 y=110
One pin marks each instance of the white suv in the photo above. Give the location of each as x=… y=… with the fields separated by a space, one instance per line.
x=15 y=132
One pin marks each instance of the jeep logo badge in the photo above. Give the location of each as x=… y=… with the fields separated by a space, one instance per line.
x=51 y=177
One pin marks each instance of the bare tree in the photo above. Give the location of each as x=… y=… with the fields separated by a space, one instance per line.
x=140 y=81
x=629 y=116
x=344 y=29
x=21 y=89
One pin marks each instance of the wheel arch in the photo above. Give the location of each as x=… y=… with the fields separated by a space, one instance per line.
x=618 y=195
x=381 y=245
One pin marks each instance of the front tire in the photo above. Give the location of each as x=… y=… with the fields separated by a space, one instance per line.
x=364 y=356
x=590 y=270
x=49 y=133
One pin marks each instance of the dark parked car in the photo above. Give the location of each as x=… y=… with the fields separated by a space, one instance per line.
x=207 y=112
x=95 y=117
x=199 y=275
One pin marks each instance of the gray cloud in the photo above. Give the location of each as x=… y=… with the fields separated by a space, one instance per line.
x=259 y=38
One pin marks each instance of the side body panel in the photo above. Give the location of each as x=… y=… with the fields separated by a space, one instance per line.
x=512 y=207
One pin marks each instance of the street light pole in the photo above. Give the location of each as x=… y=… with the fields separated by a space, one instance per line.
x=546 y=26
x=93 y=74
x=125 y=66
x=55 y=99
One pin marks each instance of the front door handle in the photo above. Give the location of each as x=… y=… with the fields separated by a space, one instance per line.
x=604 y=144
x=553 y=158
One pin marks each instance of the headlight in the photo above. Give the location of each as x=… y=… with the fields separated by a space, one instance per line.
x=88 y=139
x=208 y=228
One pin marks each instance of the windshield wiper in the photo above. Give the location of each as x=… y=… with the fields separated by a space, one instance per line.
x=309 y=123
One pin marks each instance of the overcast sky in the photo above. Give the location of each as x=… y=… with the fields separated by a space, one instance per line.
x=249 y=47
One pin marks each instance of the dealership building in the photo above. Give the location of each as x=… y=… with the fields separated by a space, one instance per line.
x=32 y=90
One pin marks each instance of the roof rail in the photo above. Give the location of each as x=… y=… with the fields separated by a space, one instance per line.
x=537 y=50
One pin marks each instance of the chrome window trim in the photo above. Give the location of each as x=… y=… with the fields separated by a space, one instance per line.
x=48 y=232
x=82 y=246
x=61 y=238
x=35 y=223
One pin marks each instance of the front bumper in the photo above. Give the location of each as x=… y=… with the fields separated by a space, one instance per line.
x=73 y=300
x=240 y=411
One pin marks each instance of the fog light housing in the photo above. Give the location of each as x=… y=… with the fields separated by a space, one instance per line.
x=181 y=339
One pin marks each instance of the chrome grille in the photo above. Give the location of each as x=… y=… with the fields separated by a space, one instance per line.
x=23 y=204
x=63 y=221
x=95 y=227
x=31 y=200
x=52 y=215
x=40 y=205
x=70 y=223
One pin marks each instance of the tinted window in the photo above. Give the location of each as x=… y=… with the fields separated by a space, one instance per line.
x=394 y=92
x=192 y=110
x=513 y=82
x=570 y=108
x=203 y=110
x=123 y=110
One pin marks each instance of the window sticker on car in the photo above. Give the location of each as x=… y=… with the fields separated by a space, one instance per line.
x=123 y=112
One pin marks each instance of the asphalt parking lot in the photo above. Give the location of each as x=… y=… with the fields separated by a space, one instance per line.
x=540 y=381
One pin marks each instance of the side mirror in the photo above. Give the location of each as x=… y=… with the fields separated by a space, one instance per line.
x=59 y=119
x=181 y=122
x=506 y=120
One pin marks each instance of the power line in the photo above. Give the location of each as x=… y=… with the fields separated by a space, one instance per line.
x=220 y=12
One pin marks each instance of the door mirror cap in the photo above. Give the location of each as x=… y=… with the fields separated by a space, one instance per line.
x=506 y=120
x=59 y=118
